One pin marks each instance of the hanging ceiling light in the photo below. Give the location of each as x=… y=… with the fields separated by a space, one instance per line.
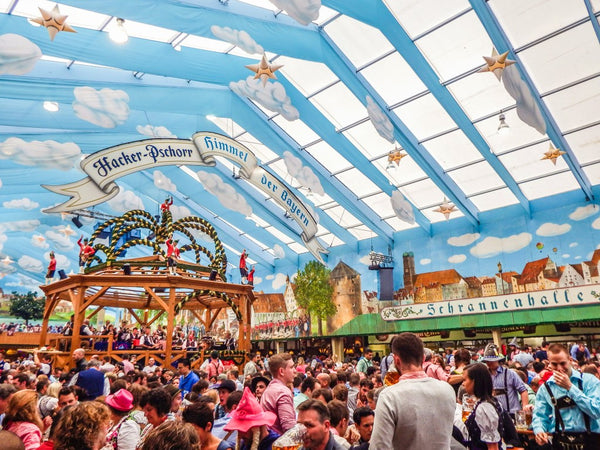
x=502 y=126
x=118 y=33
x=394 y=158
x=51 y=106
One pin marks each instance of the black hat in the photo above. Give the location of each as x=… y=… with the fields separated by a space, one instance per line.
x=257 y=379
x=227 y=384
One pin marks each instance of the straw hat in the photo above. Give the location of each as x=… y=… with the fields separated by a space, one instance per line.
x=249 y=414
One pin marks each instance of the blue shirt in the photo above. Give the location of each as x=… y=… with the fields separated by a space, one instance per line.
x=514 y=386
x=586 y=399
x=186 y=383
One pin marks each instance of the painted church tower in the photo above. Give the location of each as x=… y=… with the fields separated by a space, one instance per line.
x=346 y=295
x=408 y=261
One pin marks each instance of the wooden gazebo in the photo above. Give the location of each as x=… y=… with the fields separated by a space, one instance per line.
x=146 y=284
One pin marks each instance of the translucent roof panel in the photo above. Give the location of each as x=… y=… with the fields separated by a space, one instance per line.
x=418 y=17
x=423 y=193
x=361 y=232
x=593 y=173
x=522 y=21
x=149 y=32
x=452 y=150
x=399 y=225
x=342 y=216
x=476 y=178
x=366 y=138
x=384 y=74
x=435 y=216
x=494 y=199
x=203 y=43
x=579 y=57
x=320 y=200
x=405 y=172
x=339 y=105
x=527 y=163
x=577 y=105
x=381 y=204
x=325 y=14
x=262 y=152
x=425 y=117
x=297 y=130
x=297 y=247
x=328 y=157
x=360 y=42
x=456 y=47
x=279 y=235
x=307 y=76
x=77 y=17
x=331 y=240
x=585 y=144
x=358 y=182
x=554 y=184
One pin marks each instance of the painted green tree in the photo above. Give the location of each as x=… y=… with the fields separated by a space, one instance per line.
x=314 y=292
x=27 y=306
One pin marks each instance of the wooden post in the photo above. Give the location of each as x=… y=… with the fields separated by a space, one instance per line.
x=79 y=314
x=170 y=326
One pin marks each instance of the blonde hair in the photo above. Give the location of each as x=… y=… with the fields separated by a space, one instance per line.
x=172 y=434
x=22 y=407
x=54 y=389
x=82 y=426
x=214 y=395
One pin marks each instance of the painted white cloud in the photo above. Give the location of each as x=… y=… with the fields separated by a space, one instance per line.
x=106 y=108
x=583 y=212
x=30 y=264
x=239 y=38
x=39 y=241
x=178 y=212
x=463 y=240
x=18 y=55
x=305 y=175
x=566 y=255
x=25 y=282
x=457 y=259
x=3 y=239
x=492 y=246
x=125 y=201
x=578 y=257
x=278 y=251
x=257 y=280
x=402 y=207
x=380 y=121
x=21 y=203
x=58 y=241
x=272 y=96
x=46 y=155
x=302 y=11
x=225 y=193
x=20 y=225
x=366 y=260
x=279 y=281
x=62 y=262
x=162 y=181
x=425 y=261
x=552 y=229
x=573 y=244
x=596 y=224
x=155 y=132
x=527 y=108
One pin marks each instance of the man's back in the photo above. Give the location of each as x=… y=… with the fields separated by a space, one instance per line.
x=414 y=414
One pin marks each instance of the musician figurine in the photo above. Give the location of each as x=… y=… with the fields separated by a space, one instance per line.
x=51 y=268
x=172 y=255
x=243 y=267
x=166 y=205
x=86 y=251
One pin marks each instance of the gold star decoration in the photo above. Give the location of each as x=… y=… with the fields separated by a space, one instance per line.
x=496 y=63
x=395 y=156
x=264 y=70
x=553 y=154
x=54 y=21
x=446 y=208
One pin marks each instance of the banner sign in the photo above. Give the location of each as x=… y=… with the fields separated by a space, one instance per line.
x=520 y=301
x=104 y=167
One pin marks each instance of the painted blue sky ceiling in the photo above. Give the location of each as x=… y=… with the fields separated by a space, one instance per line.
x=360 y=81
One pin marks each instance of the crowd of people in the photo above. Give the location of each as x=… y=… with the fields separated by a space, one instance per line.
x=409 y=399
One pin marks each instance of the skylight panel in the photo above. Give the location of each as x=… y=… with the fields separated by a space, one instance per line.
x=297 y=247
x=256 y=241
x=267 y=112
x=5 y=5
x=548 y=186
x=476 y=178
x=227 y=125
x=567 y=57
x=425 y=117
x=325 y=14
x=479 y=95
x=405 y=172
x=262 y=4
x=328 y=157
x=367 y=139
x=358 y=182
x=423 y=193
x=385 y=76
x=149 y=32
x=381 y=204
x=524 y=22
x=360 y=42
x=435 y=216
x=279 y=235
x=361 y=232
x=259 y=222
x=593 y=173
x=584 y=144
x=400 y=225
x=527 y=163
x=517 y=135
x=342 y=216
x=202 y=43
x=55 y=59
x=262 y=152
x=280 y=169
x=307 y=76
x=577 y=105
x=453 y=149
x=77 y=17
x=331 y=240
x=418 y=17
x=494 y=199
x=321 y=200
x=456 y=47
x=297 y=130
x=339 y=105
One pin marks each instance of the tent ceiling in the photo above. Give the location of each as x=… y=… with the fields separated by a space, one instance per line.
x=362 y=79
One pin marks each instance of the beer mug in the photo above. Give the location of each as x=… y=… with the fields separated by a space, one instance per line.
x=391 y=376
x=468 y=404
x=521 y=420
x=292 y=439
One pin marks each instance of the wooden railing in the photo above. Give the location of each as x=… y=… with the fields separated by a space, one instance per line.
x=24 y=339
